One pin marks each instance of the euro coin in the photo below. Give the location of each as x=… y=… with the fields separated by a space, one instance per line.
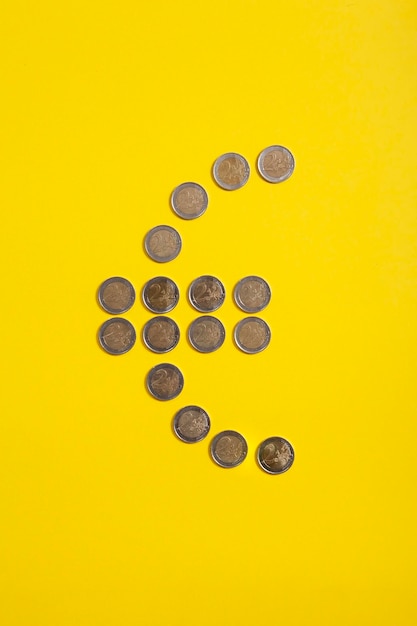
x=229 y=448
x=206 y=294
x=117 y=336
x=275 y=455
x=191 y=424
x=252 y=294
x=231 y=171
x=161 y=334
x=276 y=164
x=165 y=381
x=163 y=243
x=160 y=294
x=206 y=333
x=252 y=335
x=189 y=200
x=116 y=295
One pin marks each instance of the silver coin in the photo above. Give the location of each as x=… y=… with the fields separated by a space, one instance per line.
x=160 y=294
x=116 y=295
x=165 y=381
x=189 y=200
x=191 y=424
x=206 y=294
x=161 y=334
x=275 y=455
x=206 y=333
x=163 y=243
x=117 y=336
x=252 y=335
x=229 y=448
x=231 y=171
x=276 y=164
x=252 y=294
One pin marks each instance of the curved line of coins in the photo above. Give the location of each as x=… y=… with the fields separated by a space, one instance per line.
x=206 y=294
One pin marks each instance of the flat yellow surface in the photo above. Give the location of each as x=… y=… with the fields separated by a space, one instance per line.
x=107 y=518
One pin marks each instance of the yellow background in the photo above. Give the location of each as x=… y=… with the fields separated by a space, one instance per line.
x=107 y=518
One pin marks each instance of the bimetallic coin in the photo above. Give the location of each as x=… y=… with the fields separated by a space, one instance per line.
x=189 y=200
x=231 y=171
x=275 y=455
x=229 y=448
x=116 y=295
x=191 y=424
x=165 y=381
x=276 y=164
x=252 y=335
x=206 y=294
x=161 y=334
x=252 y=294
x=206 y=333
x=117 y=336
x=163 y=243
x=160 y=294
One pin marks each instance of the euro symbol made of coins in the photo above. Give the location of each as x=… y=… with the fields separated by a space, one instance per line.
x=206 y=294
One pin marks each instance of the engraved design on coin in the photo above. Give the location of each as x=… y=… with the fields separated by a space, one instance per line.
x=191 y=424
x=206 y=294
x=231 y=171
x=252 y=335
x=252 y=294
x=229 y=448
x=206 y=333
x=161 y=334
x=189 y=200
x=117 y=336
x=276 y=164
x=116 y=295
x=275 y=455
x=165 y=381
x=160 y=294
x=163 y=243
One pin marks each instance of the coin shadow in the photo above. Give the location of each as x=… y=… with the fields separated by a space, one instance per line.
x=145 y=252
x=97 y=298
x=209 y=454
x=255 y=456
x=171 y=208
x=146 y=386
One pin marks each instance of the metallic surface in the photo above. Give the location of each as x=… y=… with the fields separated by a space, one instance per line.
x=276 y=164
x=275 y=455
x=206 y=333
x=160 y=294
x=229 y=448
x=165 y=381
x=231 y=171
x=161 y=334
x=206 y=294
x=252 y=335
x=117 y=336
x=191 y=424
x=189 y=200
x=116 y=295
x=252 y=294
x=163 y=243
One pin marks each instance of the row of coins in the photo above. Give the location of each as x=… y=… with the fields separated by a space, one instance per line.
x=231 y=171
x=275 y=164
x=190 y=200
x=275 y=455
x=206 y=294
x=205 y=334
